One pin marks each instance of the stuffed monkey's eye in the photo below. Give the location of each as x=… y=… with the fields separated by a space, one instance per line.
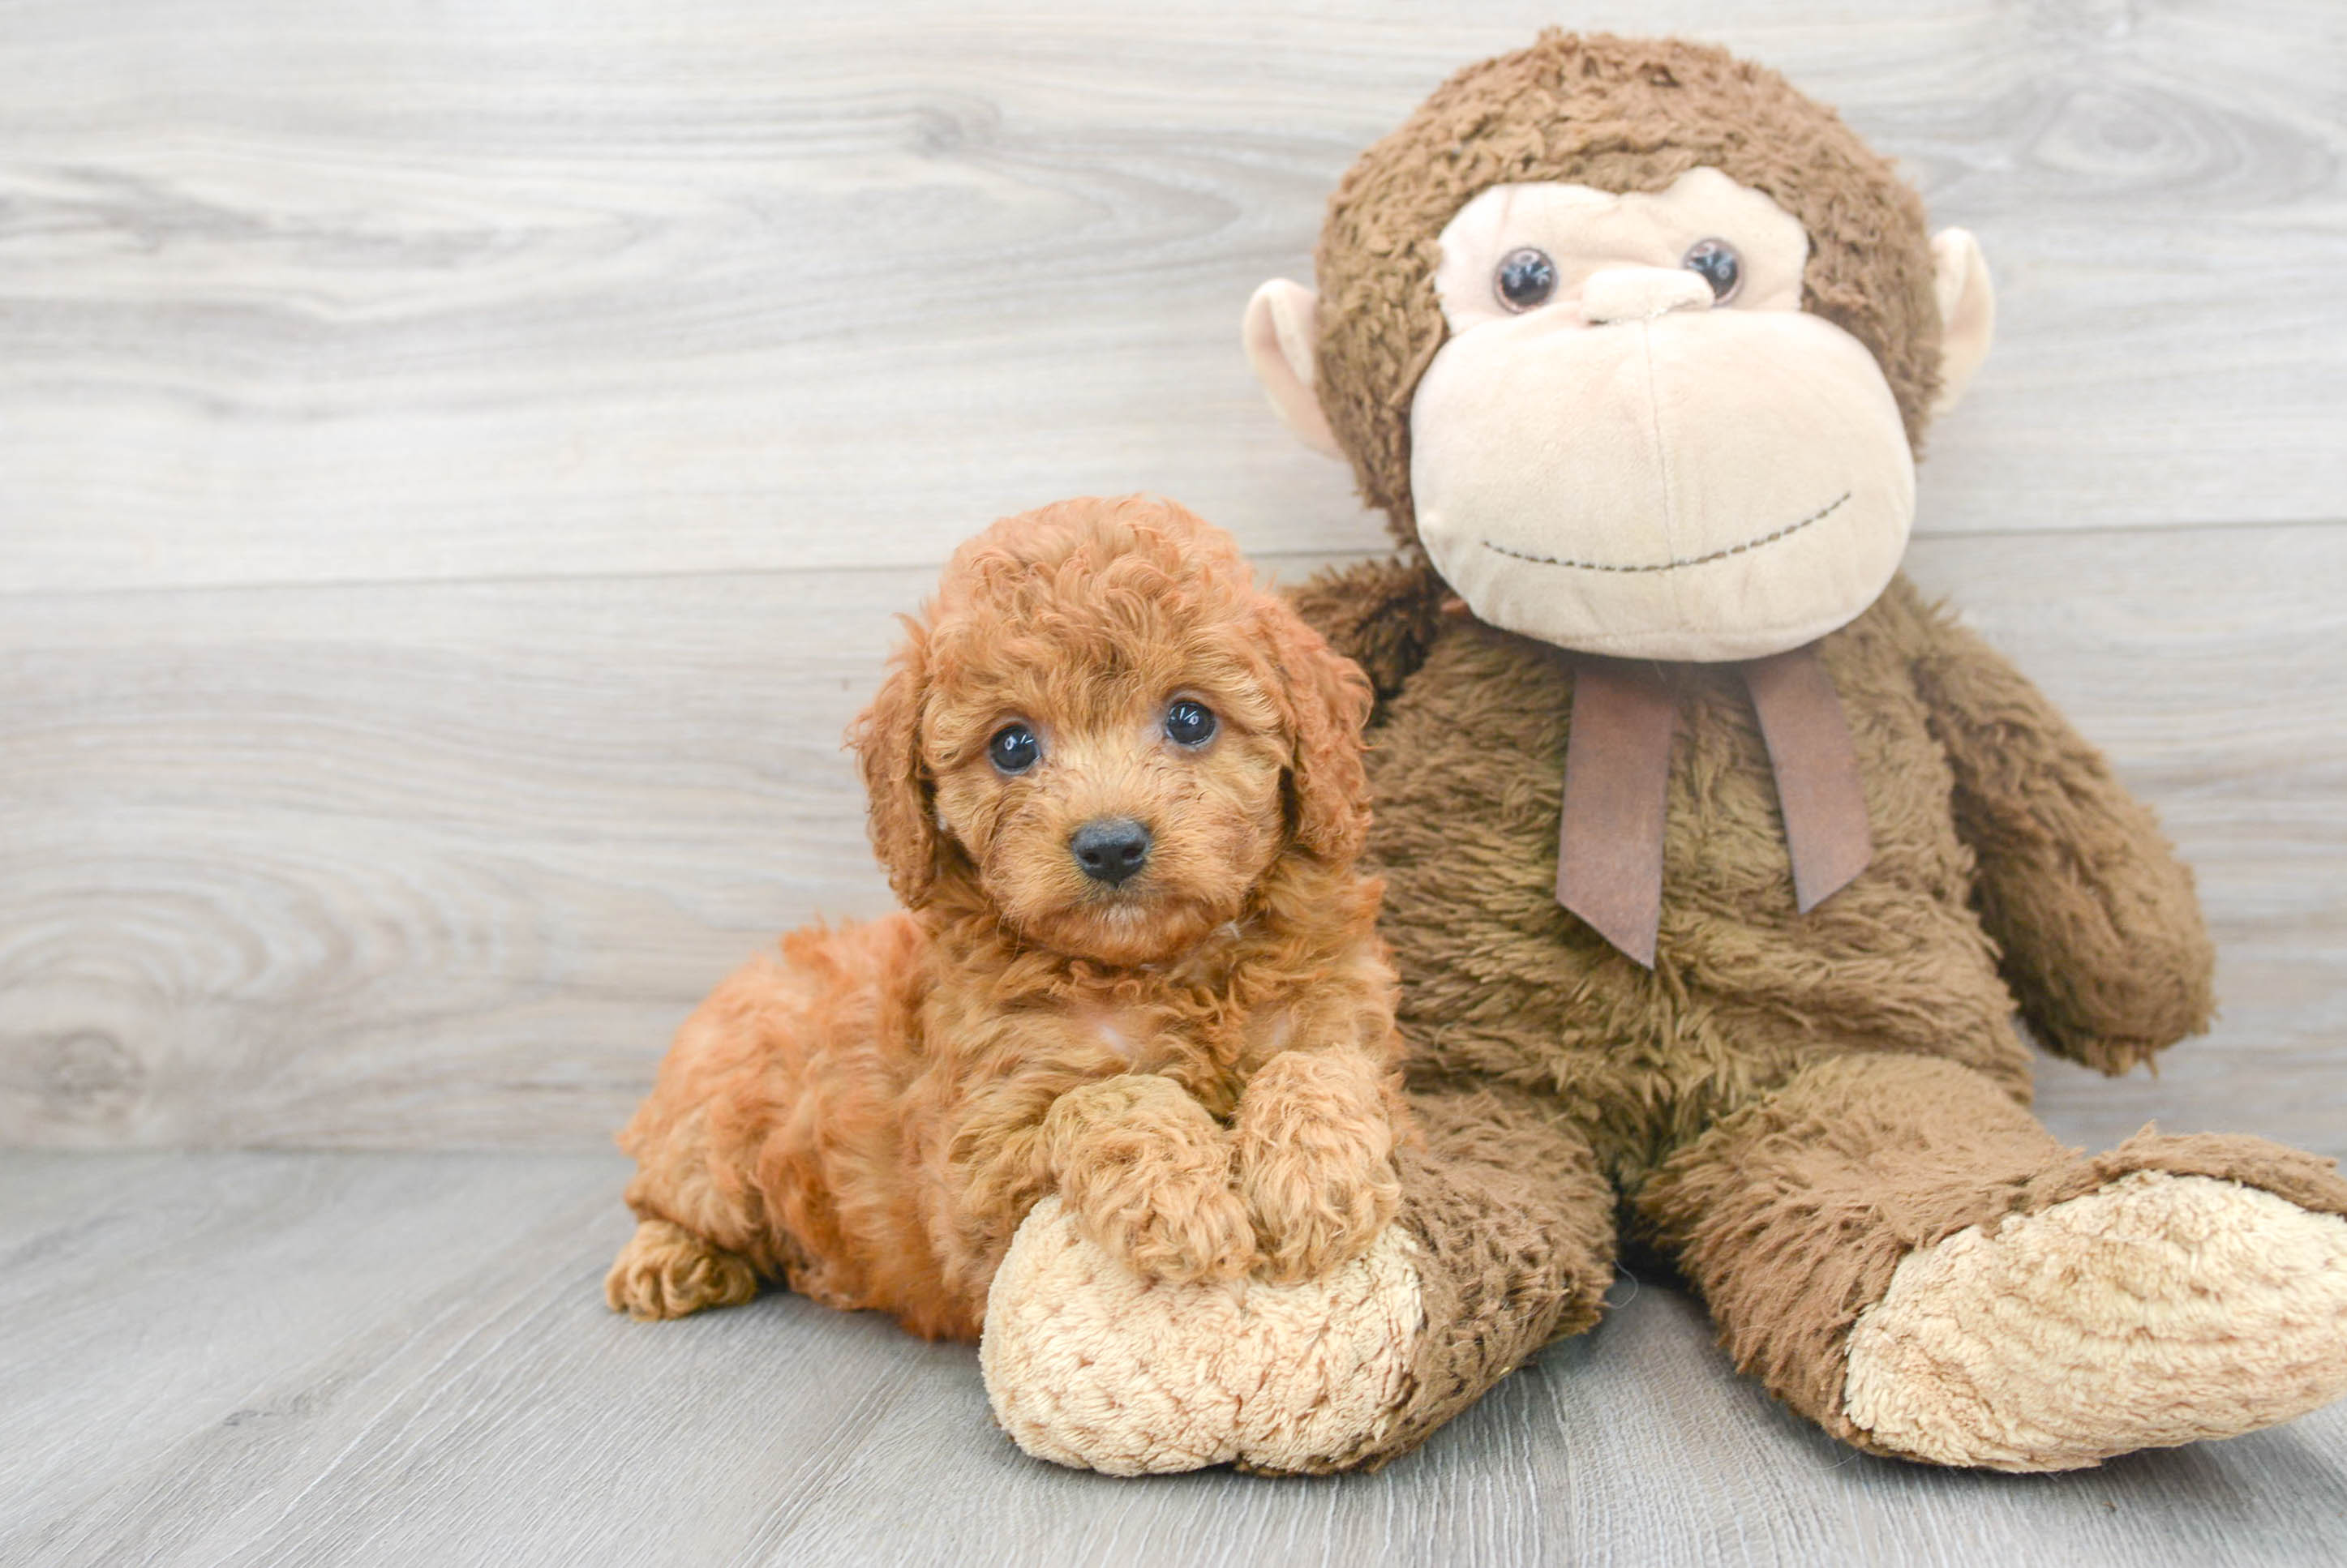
x=1014 y=749
x=1525 y=279
x=1189 y=723
x=1716 y=262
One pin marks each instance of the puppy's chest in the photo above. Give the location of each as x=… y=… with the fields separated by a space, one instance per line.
x=1210 y=1050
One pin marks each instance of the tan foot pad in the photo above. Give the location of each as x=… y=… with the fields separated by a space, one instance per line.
x=1091 y=1366
x=2161 y=1309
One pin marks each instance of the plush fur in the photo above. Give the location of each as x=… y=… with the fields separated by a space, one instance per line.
x=1792 y=1214
x=1199 y=1062
x=1622 y=114
x=1790 y=1105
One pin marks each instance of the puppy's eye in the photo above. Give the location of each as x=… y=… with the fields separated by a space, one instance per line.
x=1524 y=279
x=1014 y=749
x=1189 y=723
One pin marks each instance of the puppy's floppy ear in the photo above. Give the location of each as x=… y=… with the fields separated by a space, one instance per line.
x=902 y=817
x=1327 y=701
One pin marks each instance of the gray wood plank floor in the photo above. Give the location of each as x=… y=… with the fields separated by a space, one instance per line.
x=371 y=1359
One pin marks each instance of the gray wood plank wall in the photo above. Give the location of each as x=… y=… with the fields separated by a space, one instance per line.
x=457 y=465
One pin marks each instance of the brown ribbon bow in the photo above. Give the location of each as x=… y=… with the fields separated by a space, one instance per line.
x=1617 y=770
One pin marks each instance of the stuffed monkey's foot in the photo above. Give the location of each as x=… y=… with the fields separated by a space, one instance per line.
x=1091 y=1365
x=1905 y=1256
x=2157 y=1310
x=1503 y=1242
x=666 y=1271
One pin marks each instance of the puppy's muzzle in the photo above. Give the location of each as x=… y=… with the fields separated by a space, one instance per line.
x=1111 y=849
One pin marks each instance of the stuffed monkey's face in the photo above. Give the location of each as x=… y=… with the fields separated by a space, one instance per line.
x=1634 y=440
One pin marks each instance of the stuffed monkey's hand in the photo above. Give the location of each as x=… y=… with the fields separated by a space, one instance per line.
x=1315 y=1136
x=1146 y=1170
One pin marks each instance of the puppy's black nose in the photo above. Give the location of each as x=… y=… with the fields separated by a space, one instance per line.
x=1111 y=849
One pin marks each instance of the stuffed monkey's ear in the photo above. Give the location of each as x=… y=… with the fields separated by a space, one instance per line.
x=887 y=741
x=1328 y=701
x=1282 y=324
x=1967 y=312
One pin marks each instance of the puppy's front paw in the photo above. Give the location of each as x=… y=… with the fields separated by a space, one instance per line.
x=1315 y=1143
x=666 y=1271
x=1313 y=1213
x=1147 y=1173
x=1180 y=1233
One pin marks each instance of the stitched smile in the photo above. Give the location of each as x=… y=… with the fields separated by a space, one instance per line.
x=1789 y=529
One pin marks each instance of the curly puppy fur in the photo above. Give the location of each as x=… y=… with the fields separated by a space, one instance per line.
x=1199 y=1060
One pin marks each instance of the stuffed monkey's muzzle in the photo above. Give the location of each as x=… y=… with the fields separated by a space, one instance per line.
x=1648 y=479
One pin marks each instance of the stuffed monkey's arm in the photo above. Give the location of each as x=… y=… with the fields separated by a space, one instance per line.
x=2103 y=939
x=1380 y=614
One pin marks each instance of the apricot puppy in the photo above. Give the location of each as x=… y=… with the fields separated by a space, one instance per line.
x=1120 y=791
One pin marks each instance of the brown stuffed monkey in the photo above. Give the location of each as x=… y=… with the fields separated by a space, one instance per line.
x=1717 y=861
